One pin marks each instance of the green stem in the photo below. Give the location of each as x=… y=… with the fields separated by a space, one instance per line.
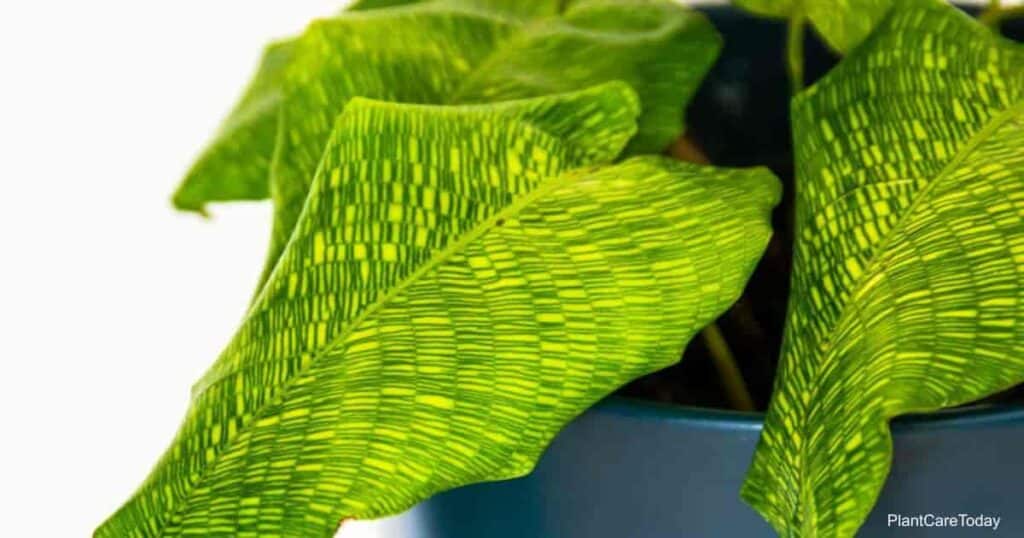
x=995 y=14
x=728 y=371
x=795 y=52
x=732 y=379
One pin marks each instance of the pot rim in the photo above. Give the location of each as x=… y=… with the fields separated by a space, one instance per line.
x=972 y=416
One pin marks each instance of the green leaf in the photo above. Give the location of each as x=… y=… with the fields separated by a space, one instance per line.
x=461 y=52
x=660 y=49
x=842 y=23
x=236 y=162
x=909 y=260
x=463 y=55
x=518 y=8
x=364 y=5
x=456 y=290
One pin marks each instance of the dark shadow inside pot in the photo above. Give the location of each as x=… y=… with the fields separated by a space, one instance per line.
x=740 y=117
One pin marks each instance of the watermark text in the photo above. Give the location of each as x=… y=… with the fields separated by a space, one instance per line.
x=981 y=521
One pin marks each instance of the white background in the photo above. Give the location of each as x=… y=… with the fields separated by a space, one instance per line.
x=111 y=303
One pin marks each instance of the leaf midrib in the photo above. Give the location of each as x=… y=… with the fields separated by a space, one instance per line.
x=574 y=151
x=545 y=187
x=870 y=268
x=442 y=256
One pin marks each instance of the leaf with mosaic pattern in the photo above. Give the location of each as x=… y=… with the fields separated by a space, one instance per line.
x=462 y=282
x=464 y=55
x=235 y=163
x=908 y=284
x=842 y=23
x=463 y=52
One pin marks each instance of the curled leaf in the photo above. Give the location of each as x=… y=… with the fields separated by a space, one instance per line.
x=461 y=283
x=909 y=261
x=449 y=52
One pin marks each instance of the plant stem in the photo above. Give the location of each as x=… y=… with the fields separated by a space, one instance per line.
x=995 y=14
x=795 y=52
x=685 y=150
x=732 y=379
x=728 y=371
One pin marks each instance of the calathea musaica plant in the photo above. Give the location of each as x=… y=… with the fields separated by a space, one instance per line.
x=450 y=281
x=474 y=241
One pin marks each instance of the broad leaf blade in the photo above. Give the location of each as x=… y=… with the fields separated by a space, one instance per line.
x=467 y=54
x=368 y=55
x=399 y=185
x=442 y=311
x=842 y=23
x=907 y=267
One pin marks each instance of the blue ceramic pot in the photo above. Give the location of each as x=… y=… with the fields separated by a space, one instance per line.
x=630 y=469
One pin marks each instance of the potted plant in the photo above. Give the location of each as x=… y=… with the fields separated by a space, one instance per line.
x=475 y=242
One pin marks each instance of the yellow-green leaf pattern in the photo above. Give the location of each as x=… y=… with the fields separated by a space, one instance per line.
x=235 y=164
x=842 y=23
x=462 y=52
x=462 y=282
x=909 y=262
x=465 y=54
